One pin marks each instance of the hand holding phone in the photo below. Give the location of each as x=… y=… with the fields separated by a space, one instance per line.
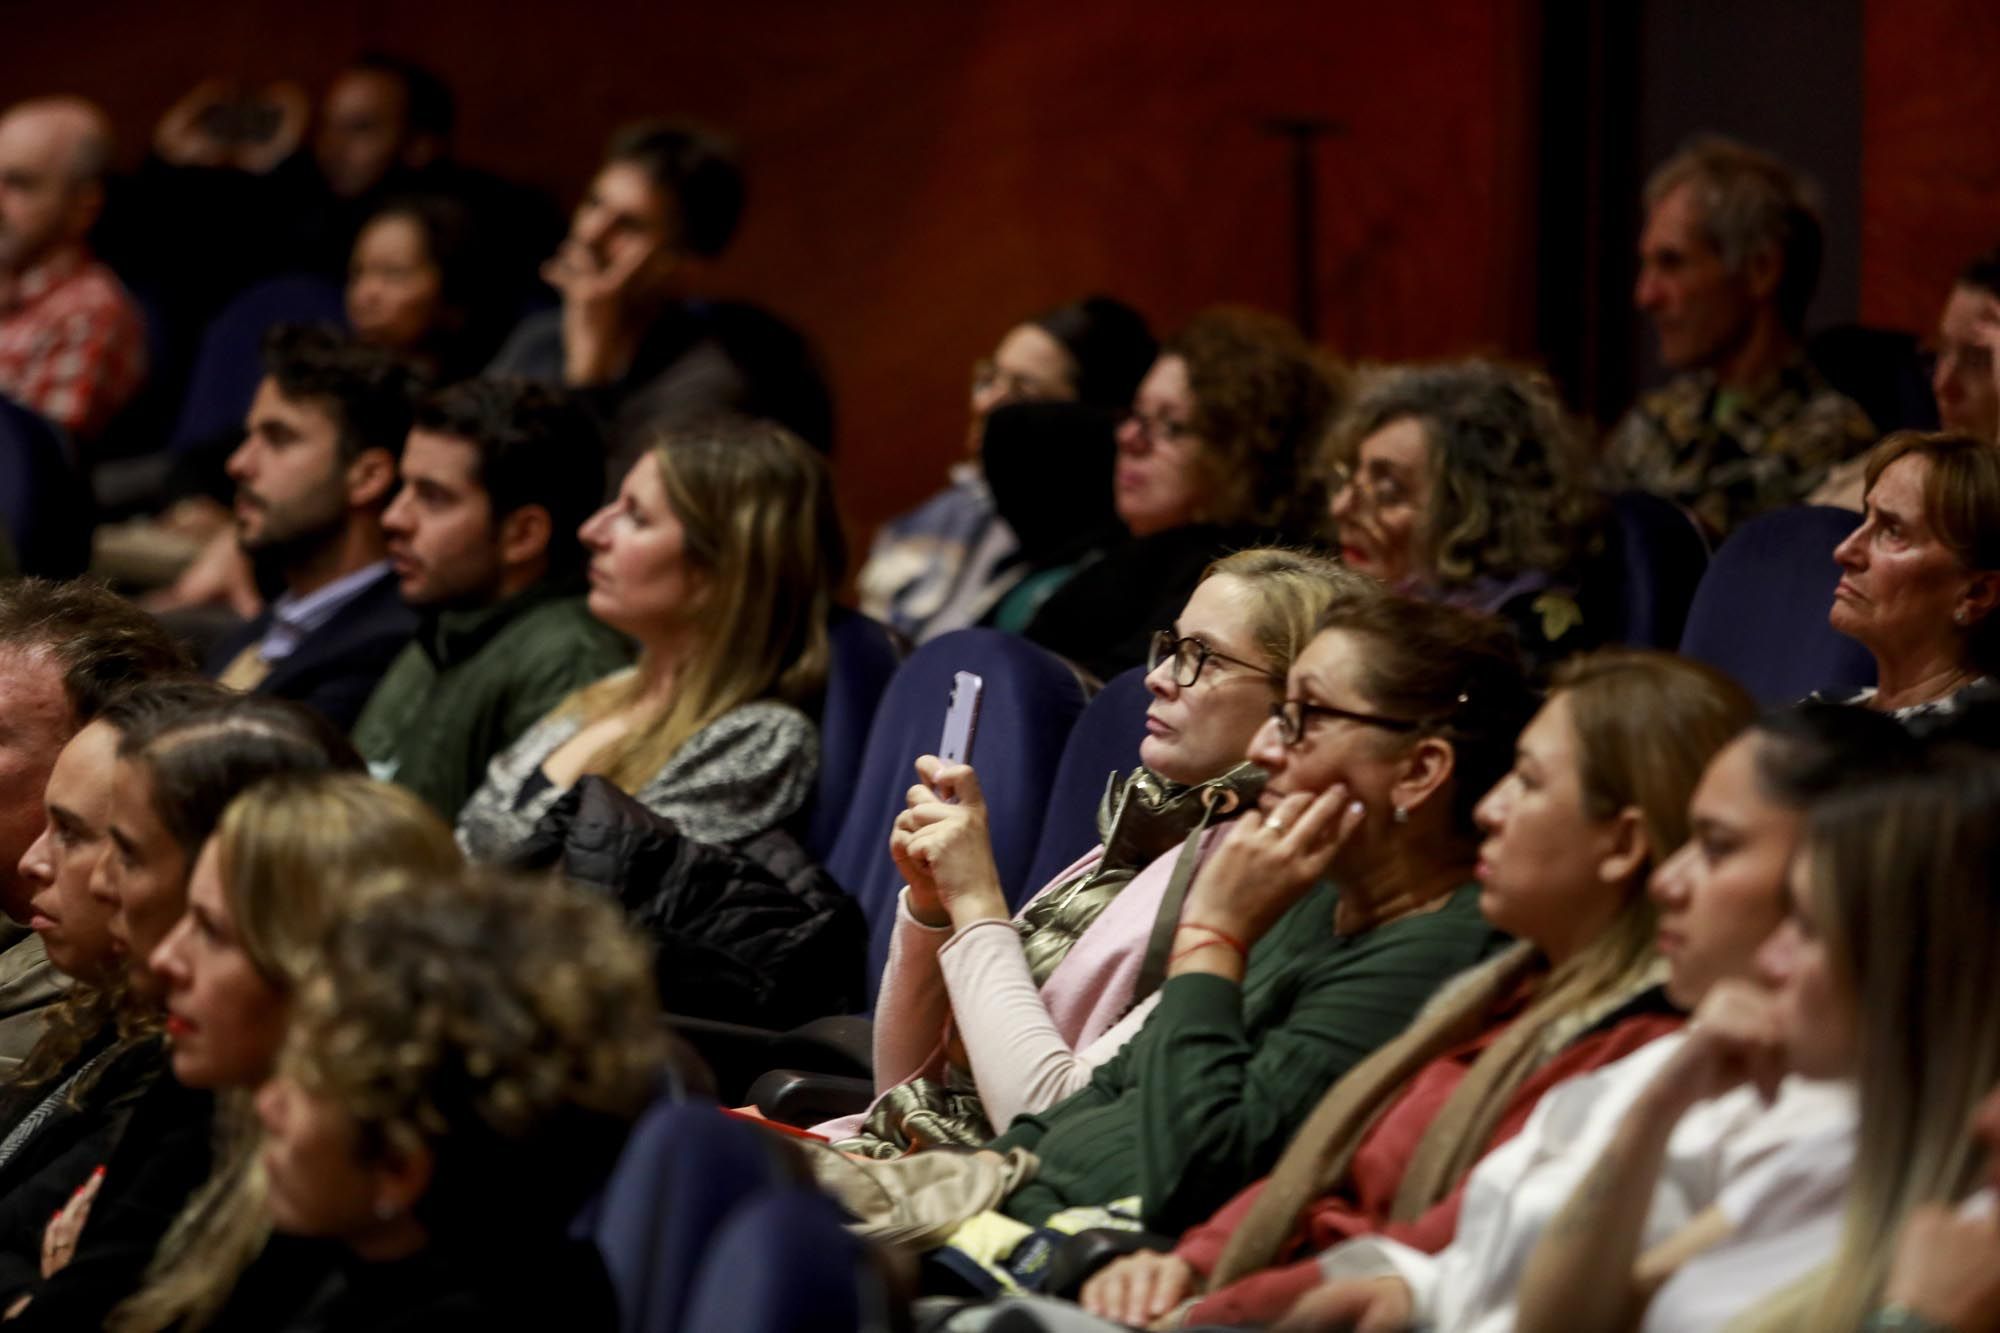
x=961 y=718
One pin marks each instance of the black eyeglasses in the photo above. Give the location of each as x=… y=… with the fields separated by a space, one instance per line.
x=1191 y=655
x=1293 y=714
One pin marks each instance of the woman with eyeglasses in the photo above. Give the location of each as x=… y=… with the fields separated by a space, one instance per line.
x=1314 y=933
x=1597 y=797
x=981 y=1018
x=944 y=565
x=1464 y=483
x=1210 y=459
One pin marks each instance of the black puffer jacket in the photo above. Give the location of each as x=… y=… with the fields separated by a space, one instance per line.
x=755 y=934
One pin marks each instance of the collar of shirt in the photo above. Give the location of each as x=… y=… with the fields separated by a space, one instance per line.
x=293 y=619
x=42 y=279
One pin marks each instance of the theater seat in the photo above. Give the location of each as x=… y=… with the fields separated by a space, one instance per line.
x=1031 y=700
x=1105 y=740
x=865 y=654
x=229 y=362
x=45 y=507
x=786 y=1263
x=1641 y=585
x=685 y=1169
x=1760 y=612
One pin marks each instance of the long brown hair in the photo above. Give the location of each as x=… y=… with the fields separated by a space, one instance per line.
x=1646 y=725
x=756 y=507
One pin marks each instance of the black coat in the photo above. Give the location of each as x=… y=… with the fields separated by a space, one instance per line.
x=756 y=934
x=336 y=667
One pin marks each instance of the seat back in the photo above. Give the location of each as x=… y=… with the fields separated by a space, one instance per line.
x=685 y=1169
x=864 y=655
x=230 y=361
x=1760 y=612
x=786 y=1263
x=1030 y=702
x=1644 y=580
x=45 y=505
x=1104 y=741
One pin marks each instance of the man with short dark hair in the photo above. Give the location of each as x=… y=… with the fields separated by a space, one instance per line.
x=1962 y=377
x=65 y=650
x=666 y=200
x=497 y=477
x=1728 y=263
x=72 y=342
x=314 y=472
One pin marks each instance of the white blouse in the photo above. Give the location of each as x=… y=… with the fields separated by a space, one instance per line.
x=1778 y=1172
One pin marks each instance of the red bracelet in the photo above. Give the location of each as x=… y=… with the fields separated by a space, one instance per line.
x=1197 y=948
x=1220 y=936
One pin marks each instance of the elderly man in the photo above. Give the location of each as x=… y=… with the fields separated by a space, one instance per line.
x=1728 y=263
x=65 y=649
x=72 y=343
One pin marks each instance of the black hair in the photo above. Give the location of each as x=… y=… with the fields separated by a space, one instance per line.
x=1108 y=343
x=368 y=392
x=1982 y=273
x=203 y=745
x=696 y=169
x=537 y=445
x=431 y=107
x=1814 y=749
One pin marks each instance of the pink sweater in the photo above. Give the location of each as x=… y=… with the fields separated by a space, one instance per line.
x=1029 y=1048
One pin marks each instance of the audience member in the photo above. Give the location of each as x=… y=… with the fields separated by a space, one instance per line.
x=666 y=200
x=1962 y=379
x=981 y=1017
x=1720 y=898
x=1464 y=483
x=315 y=470
x=185 y=750
x=1211 y=459
x=1920 y=578
x=497 y=476
x=1943 y=1276
x=1315 y=932
x=1891 y=906
x=718 y=556
x=65 y=649
x=461 y=1072
x=1598 y=797
x=419 y=285
x=72 y=343
x=944 y=565
x=1728 y=263
x=289 y=857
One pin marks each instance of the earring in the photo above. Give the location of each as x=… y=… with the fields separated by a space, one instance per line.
x=1400 y=815
x=385 y=1211
x=1959 y=617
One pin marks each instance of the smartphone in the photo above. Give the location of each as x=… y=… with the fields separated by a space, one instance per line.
x=961 y=718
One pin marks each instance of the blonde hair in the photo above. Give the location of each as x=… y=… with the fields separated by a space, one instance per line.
x=1292 y=589
x=756 y=507
x=296 y=853
x=1903 y=873
x=1646 y=724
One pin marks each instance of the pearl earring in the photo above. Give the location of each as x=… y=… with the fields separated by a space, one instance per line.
x=1958 y=617
x=1401 y=816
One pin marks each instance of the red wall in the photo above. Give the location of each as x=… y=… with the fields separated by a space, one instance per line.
x=1930 y=152
x=925 y=174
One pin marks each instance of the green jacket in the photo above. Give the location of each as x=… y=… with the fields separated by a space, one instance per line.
x=474 y=680
x=1203 y=1100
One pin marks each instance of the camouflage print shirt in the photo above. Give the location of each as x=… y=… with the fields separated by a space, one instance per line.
x=1729 y=455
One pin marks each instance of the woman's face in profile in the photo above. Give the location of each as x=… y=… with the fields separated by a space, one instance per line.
x=1029 y=366
x=395 y=294
x=1381 y=503
x=1899 y=586
x=1199 y=731
x=640 y=577
x=1156 y=486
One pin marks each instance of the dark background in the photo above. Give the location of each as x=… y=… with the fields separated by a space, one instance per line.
x=925 y=174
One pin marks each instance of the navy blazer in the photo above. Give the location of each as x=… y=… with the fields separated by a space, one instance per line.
x=337 y=666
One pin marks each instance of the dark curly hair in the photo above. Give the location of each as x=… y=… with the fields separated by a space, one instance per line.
x=1510 y=489
x=697 y=169
x=367 y=391
x=1261 y=396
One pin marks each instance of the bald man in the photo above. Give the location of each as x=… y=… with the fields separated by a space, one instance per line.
x=72 y=343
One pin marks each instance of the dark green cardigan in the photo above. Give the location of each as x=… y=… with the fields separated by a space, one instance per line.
x=1204 y=1099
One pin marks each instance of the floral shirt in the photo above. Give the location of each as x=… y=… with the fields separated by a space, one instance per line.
x=1729 y=455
